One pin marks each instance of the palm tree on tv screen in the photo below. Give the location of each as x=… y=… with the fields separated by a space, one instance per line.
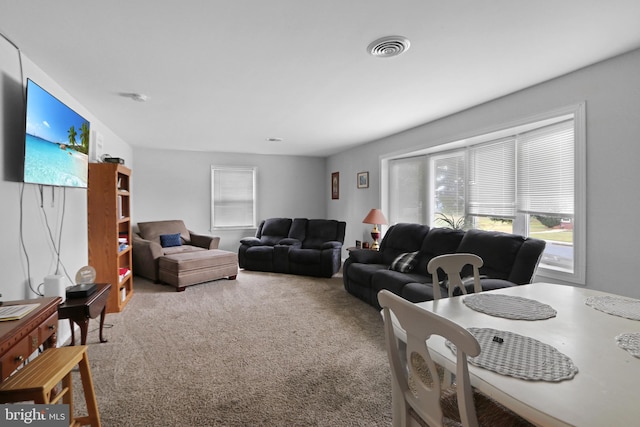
x=84 y=138
x=72 y=136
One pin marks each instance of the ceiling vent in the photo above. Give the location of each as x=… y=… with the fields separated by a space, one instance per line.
x=390 y=46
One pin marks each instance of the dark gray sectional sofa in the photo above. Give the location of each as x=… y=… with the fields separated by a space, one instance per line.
x=308 y=247
x=509 y=260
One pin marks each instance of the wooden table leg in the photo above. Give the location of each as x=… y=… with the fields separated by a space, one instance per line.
x=84 y=329
x=72 y=325
x=102 y=315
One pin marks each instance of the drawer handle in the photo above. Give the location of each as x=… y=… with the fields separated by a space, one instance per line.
x=52 y=327
x=19 y=359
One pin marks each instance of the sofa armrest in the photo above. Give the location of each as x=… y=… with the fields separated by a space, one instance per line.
x=145 y=254
x=289 y=241
x=365 y=256
x=204 y=241
x=251 y=241
x=331 y=245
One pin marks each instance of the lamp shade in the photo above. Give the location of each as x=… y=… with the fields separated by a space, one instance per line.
x=375 y=216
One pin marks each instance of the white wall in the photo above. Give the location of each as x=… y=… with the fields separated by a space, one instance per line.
x=26 y=204
x=611 y=90
x=177 y=185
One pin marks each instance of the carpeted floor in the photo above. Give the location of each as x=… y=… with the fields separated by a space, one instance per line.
x=263 y=350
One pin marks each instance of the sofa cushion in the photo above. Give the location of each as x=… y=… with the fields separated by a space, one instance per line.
x=402 y=238
x=438 y=241
x=169 y=240
x=274 y=229
x=320 y=231
x=181 y=249
x=498 y=251
x=418 y=292
x=363 y=273
x=152 y=230
x=304 y=256
x=404 y=263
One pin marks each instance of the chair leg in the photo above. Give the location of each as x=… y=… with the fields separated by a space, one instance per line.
x=93 y=417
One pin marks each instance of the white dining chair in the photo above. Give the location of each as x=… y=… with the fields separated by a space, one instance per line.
x=417 y=390
x=452 y=265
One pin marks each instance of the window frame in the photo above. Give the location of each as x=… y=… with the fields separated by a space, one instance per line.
x=578 y=113
x=254 y=171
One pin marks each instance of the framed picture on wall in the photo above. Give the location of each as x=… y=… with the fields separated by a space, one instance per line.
x=363 y=179
x=335 y=185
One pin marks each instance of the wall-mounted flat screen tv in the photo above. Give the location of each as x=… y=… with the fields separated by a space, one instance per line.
x=56 y=148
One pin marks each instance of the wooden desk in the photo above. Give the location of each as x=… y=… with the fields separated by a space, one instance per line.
x=80 y=310
x=603 y=392
x=20 y=338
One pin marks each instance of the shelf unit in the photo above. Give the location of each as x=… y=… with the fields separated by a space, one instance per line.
x=109 y=230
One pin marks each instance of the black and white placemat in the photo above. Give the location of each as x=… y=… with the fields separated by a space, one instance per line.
x=509 y=307
x=616 y=305
x=508 y=353
x=630 y=341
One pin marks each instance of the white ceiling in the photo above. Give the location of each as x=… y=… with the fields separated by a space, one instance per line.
x=226 y=75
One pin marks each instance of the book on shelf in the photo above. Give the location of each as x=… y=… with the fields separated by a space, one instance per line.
x=123 y=272
x=120 y=211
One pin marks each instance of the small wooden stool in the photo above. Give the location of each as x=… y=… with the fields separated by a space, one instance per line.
x=37 y=381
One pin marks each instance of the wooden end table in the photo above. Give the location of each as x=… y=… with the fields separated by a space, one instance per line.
x=80 y=310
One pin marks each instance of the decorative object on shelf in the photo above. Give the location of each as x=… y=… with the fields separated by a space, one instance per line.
x=85 y=275
x=375 y=217
x=335 y=185
x=363 y=180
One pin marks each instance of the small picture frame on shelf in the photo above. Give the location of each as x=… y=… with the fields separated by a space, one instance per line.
x=363 y=179
x=358 y=244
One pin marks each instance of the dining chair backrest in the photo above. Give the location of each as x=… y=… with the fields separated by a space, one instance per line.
x=420 y=325
x=452 y=265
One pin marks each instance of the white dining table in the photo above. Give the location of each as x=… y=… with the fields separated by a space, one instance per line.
x=604 y=392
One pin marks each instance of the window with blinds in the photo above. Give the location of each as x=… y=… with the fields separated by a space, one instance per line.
x=521 y=180
x=546 y=170
x=492 y=179
x=409 y=190
x=233 y=197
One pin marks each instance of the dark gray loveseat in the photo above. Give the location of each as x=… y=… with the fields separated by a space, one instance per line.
x=309 y=247
x=509 y=260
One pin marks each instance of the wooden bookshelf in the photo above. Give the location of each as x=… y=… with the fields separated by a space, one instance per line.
x=109 y=230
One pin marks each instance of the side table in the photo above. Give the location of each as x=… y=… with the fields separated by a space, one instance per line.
x=80 y=310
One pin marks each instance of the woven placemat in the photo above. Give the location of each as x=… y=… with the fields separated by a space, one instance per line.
x=509 y=307
x=616 y=305
x=631 y=342
x=519 y=356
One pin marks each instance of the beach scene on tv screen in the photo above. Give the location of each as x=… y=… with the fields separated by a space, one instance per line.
x=56 y=141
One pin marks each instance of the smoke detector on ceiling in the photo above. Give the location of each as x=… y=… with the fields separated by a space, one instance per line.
x=390 y=46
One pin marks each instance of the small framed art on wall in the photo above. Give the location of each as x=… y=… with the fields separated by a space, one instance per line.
x=363 y=179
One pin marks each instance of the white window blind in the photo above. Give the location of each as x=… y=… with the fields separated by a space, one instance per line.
x=546 y=170
x=408 y=190
x=233 y=197
x=448 y=184
x=492 y=179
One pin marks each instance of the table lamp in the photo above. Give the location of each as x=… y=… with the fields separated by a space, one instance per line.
x=375 y=217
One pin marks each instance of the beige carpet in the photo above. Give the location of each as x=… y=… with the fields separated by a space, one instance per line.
x=263 y=350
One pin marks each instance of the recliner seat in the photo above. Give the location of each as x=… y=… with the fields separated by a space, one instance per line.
x=509 y=260
x=309 y=247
